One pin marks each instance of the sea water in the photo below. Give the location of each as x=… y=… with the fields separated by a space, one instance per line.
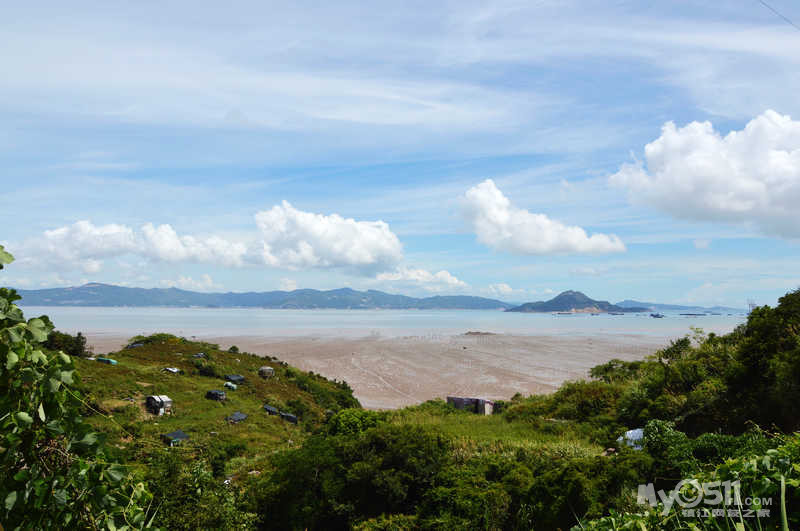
x=225 y=322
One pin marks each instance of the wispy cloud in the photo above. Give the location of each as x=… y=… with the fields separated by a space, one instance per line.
x=204 y=283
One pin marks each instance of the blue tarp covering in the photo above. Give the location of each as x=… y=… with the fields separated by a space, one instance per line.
x=633 y=438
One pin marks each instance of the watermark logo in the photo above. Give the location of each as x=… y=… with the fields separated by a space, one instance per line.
x=711 y=498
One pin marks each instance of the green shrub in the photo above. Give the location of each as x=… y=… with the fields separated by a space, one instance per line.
x=353 y=421
x=219 y=453
x=191 y=497
x=583 y=400
x=154 y=339
x=618 y=371
x=333 y=482
x=66 y=343
x=388 y=522
x=205 y=368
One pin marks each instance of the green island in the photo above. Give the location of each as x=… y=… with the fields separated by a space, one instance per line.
x=80 y=448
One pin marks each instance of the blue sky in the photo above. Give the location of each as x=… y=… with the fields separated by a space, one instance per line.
x=504 y=149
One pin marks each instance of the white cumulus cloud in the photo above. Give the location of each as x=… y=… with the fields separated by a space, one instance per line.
x=295 y=239
x=85 y=245
x=504 y=227
x=204 y=283
x=748 y=176
x=81 y=244
x=439 y=281
x=163 y=243
x=286 y=238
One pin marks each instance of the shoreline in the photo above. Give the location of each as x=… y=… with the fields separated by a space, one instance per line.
x=394 y=372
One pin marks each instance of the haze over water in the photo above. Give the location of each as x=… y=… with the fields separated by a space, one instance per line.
x=217 y=322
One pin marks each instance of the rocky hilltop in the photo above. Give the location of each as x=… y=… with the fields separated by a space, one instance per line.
x=573 y=301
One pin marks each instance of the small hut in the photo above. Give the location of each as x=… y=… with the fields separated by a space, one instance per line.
x=288 y=417
x=475 y=405
x=216 y=394
x=266 y=372
x=236 y=417
x=158 y=404
x=271 y=410
x=175 y=438
x=235 y=378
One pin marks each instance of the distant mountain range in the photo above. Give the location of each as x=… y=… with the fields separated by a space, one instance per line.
x=95 y=294
x=653 y=306
x=574 y=301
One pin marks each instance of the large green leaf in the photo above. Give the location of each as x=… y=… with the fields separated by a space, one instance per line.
x=116 y=473
x=23 y=418
x=11 y=499
x=86 y=442
x=38 y=357
x=38 y=329
x=54 y=385
x=60 y=496
x=16 y=333
x=11 y=359
x=5 y=257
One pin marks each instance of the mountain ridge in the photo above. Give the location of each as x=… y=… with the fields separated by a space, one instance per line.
x=109 y=295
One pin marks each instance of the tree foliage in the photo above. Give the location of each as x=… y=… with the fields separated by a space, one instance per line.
x=67 y=343
x=335 y=481
x=53 y=470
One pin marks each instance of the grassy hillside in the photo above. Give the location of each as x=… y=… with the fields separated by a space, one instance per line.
x=496 y=434
x=116 y=394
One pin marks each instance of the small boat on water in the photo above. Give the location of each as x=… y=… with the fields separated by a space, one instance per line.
x=657 y=315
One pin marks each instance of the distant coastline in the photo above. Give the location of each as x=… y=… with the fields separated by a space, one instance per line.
x=108 y=295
